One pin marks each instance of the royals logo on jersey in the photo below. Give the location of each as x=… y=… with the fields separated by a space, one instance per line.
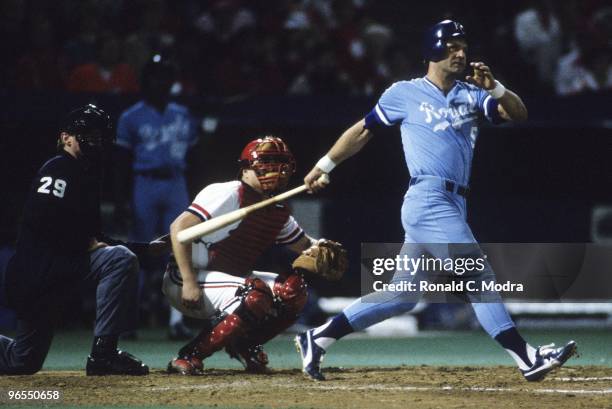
x=420 y=107
x=158 y=139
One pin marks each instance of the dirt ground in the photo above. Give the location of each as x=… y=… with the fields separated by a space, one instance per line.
x=400 y=387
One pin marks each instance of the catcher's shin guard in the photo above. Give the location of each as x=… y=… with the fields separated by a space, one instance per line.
x=291 y=294
x=256 y=304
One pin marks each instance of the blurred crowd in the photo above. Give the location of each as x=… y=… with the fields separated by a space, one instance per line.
x=231 y=48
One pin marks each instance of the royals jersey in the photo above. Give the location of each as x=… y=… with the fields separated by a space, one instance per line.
x=438 y=131
x=158 y=140
x=235 y=248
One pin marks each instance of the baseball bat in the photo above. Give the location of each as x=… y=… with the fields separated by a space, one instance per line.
x=209 y=226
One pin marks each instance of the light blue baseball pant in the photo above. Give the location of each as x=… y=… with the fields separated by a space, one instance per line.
x=156 y=203
x=431 y=216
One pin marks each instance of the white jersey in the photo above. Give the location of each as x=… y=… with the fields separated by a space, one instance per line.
x=235 y=248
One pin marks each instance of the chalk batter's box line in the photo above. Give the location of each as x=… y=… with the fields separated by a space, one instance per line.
x=228 y=385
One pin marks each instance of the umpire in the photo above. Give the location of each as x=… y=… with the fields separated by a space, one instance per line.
x=58 y=249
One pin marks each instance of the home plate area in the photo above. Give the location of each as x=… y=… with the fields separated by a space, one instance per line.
x=396 y=387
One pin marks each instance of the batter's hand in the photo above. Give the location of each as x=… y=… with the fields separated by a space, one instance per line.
x=482 y=77
x=313 y=182
x=191 y=295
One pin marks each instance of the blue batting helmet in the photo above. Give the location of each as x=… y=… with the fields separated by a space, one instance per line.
x=434 y=43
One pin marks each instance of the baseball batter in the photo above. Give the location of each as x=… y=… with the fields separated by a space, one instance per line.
x=213 y=278
x=439 y=117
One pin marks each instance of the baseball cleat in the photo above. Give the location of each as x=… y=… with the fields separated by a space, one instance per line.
x=312 y=355
x=548 y=358
x=119 y=363
x=254 y=359
x=187 y=365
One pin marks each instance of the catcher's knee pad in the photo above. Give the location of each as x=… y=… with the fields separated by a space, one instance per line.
x=257 y=300
x=292 y=291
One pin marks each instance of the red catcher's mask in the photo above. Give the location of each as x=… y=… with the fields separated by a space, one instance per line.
x=271 y=160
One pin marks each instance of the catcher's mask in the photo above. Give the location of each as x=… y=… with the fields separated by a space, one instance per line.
x=92 y=127
x=271 y=160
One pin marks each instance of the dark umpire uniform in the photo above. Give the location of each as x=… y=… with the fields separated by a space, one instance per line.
x=58 y=250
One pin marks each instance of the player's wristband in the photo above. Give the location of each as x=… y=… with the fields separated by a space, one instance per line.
x=498 y=91
x=326 y=164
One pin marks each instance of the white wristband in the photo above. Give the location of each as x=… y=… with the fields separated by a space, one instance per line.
x=498 y=91
x=326 y=164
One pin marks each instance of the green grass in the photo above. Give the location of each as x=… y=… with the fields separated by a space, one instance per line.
x=70 y=348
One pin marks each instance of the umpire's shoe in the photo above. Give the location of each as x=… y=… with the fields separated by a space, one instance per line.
x=548 y=358
x=312 y=355
x=117 y=363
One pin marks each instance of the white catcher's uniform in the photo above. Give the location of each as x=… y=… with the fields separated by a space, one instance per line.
x=225 y=258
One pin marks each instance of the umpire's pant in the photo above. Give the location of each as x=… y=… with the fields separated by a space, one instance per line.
x=114 y=271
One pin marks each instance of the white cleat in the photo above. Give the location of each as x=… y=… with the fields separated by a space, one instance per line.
x=311 y=354
x=548 y=358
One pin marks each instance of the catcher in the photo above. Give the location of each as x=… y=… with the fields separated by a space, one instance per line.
x=213 y=278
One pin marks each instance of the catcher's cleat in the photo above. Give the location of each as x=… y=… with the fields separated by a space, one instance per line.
x=187 y=365
x=254 y=359
x=312 y=355
x=548 y=358
x=118 y=363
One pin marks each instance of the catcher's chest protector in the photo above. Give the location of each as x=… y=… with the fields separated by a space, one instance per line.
x=237 y=253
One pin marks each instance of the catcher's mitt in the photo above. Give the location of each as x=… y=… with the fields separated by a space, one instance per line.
x=326 y=258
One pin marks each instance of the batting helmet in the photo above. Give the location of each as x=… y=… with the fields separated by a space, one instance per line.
x=434 y=42
x=271 y=160
x=92 y=128
x=159 y=69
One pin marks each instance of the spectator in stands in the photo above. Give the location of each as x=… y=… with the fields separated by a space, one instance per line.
x=377 y=38
x=41 y=66
x=226 y=19
x=588 y=65
x=287 y=42
x=538 y=34
x=586 y=68
x=80 y=47
x=12 y=40
x=108 y=74
x=153 y=34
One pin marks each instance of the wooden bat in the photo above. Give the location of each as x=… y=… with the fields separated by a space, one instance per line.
x=209 y=226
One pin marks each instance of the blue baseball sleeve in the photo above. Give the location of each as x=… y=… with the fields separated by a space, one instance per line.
x=390 y=109
x=124 y=136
